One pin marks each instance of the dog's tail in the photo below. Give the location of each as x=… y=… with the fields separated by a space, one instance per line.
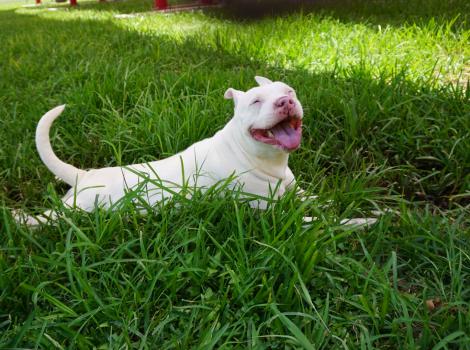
x=62 y=170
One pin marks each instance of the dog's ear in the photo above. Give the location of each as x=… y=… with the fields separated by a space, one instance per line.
x=233 y=94
x=262 y=81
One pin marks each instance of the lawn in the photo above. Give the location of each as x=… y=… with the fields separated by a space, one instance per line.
x=384 y=87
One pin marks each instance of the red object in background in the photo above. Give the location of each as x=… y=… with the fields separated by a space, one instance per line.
x=161 y=4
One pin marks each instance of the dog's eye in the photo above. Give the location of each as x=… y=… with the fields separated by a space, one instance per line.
x=256 y=101
x=291 y=92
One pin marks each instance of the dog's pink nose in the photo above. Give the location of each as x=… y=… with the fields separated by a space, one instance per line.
x=284 y=101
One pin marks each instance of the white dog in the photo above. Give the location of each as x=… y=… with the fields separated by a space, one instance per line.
x=253 y=148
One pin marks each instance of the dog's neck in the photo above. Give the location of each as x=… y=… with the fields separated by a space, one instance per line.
x=256 y=156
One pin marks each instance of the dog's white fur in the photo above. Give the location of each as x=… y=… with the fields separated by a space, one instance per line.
x=260 y=169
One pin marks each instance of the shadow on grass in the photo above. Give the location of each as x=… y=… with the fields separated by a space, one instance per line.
x=378 y=12
x=353 y=120
x=383 y=13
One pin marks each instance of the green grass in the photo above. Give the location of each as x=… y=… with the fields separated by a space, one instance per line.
x=387 y=123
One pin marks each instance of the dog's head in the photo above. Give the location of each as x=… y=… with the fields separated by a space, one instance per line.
x=269 y=115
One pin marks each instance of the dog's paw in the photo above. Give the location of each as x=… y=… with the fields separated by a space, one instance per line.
x=24 y=219
x=308 y=219
x=358 y=222
x=304 y=197
x=19 y=216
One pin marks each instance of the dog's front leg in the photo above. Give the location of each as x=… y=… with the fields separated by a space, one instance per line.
x=33 y=221
x=290 y=183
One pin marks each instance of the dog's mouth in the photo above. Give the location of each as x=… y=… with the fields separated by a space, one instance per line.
x=286 y=134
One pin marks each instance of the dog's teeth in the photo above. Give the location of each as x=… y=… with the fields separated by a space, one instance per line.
x=270 y=133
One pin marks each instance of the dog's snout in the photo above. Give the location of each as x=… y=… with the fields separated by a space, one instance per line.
x=284 y=101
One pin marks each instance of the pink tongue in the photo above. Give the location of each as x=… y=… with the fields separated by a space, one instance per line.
x=286 y=135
